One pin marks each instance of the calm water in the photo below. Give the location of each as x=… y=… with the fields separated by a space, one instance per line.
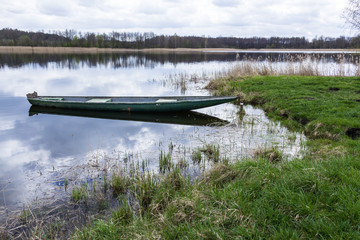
x=38 y=149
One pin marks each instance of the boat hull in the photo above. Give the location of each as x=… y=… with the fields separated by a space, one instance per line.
x=130 y=104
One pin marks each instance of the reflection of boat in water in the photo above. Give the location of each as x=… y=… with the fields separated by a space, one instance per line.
x=181 y=118
x=129 y=104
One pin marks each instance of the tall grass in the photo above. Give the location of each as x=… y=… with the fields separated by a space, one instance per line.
x=165 y=162
x=302 y=65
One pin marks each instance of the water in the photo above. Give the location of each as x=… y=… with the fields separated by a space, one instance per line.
x=41 y=149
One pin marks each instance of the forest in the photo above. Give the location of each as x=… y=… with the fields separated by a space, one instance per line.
x=137 y=40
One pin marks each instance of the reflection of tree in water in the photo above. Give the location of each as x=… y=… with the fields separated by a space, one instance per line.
x=150 y=60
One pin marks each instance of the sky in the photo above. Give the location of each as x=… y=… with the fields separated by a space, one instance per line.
x=214 y=18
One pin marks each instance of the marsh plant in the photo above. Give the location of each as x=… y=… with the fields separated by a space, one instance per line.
x=196 y=155
x=300 y=64
x=119 y=183
x=272 y=154
x=212 y=152
x=24 y=215
x=164 y=161
x=80 y=194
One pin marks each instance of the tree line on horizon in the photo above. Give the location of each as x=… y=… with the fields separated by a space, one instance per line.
x=137 y=40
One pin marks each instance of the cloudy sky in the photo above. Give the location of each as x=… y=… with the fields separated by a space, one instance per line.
x=238 y=18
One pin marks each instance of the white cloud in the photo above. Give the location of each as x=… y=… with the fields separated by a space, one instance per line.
x=184 y=17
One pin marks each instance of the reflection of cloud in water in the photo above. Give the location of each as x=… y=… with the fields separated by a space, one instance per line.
x=95 y=81
x=6 y=125
x=16 y=153
x=144 y=139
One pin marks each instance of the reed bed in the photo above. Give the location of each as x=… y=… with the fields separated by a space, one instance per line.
x=301 y=64
x=274 y=65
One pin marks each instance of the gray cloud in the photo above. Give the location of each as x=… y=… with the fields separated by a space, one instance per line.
x=226 y=3
x=58 y=8
x=184 y=17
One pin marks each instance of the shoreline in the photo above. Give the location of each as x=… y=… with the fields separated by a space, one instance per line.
x=80 y=50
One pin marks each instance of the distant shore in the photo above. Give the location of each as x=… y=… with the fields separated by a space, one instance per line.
x=79 y=50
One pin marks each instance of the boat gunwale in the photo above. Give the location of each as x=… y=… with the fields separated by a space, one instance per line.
x=180 y=99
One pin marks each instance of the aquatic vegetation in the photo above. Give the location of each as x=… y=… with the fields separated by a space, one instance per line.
x=80 y=194
x=144 y=189
x=182 y=163
x=165 y=162
x=119 y=183
x=272 y=154
x=196 y=155
x=25 y=213
x=212 y=152
x=124 y=214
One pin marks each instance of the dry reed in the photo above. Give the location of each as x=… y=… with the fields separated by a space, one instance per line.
x=303 y=65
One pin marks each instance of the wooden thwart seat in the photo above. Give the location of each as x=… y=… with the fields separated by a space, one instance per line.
x=164 y=100
x=99 y=100
x=52 y=99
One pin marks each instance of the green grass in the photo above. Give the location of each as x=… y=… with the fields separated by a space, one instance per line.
x=304 y=101
x=316 y=197
x=80 y=194
x=25 y=213
x=119 y=183
x=249 y=200
x=307 y=104
x=196 y=156
x=165 y=161
x=212 y=152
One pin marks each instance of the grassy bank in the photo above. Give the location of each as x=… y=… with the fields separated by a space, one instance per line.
x=315 y=197
x=327 y=109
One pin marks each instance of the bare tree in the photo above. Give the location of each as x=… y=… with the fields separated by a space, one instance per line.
x=352 y=14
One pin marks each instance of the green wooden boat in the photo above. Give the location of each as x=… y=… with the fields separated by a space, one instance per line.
x=180 y=118
x=128 y=104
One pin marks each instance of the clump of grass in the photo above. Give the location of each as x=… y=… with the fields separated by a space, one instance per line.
x=144 y=189
x=324 y=151
x=166 y=190
x=219 y=175
x=196 y=155
x=66 y=184
x=184 y=211
x=119 y=183
x=182 y=163
x=102 y=202
x=272 y=154
x=80 y=194
x=212 y=152
x=318 y=130
x=225 y=160
x=124 y=214
x=24 y=215
x=105 y=184
x=165 y=161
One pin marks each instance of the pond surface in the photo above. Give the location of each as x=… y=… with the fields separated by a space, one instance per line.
x=40 y=148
